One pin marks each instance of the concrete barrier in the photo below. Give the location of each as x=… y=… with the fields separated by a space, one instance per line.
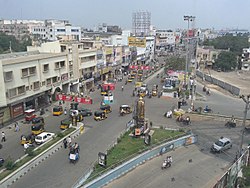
x=24 y=169
x=140 y=159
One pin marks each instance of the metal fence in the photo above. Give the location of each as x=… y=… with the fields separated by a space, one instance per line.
x=232 y=89
x=229 y=179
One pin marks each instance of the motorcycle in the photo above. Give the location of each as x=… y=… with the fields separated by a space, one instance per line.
x=184 y=103
x=184 y=120
x=230 y=124
x=208 y=110
x=165 y=164
x=42 y=111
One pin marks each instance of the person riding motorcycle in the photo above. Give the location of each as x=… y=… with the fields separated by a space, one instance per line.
x=122 y=88
x=233 y=119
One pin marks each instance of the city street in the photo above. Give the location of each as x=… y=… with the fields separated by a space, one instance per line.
x=99 y=136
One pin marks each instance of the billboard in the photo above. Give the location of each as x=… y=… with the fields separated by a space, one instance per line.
x=137 y=42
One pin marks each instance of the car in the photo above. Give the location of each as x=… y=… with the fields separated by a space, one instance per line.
x=44 y=137
x=85 y=112
x=1 y=161
x=144 y=87
x=222 y=144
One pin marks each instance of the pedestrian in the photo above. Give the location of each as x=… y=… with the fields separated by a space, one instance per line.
x=16 y=126
x=3 y=137
x=65 y=144
x=69 y=141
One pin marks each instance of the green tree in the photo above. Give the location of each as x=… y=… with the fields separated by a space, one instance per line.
x=226 y=61
x=175 y=63
x=16 y=46
x=234 y=43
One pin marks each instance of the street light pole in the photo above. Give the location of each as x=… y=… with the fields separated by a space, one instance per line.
x=188 y=19
x=247 y=102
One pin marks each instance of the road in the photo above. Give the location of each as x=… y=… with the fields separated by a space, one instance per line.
x=98 y=136
x=201 y=172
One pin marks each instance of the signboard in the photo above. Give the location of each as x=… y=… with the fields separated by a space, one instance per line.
x=17 y=110
x=137 y=42
x=102 y=159
x=139 y=67
x=76 y=99
x=109 y=51
x=64 y=77
x=108 y=86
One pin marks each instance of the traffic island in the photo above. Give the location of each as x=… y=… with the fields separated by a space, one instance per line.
x=127 y=148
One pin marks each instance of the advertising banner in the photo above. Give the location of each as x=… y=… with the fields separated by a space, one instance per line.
x=137 y=42
x=82 y=100
x=139 y=67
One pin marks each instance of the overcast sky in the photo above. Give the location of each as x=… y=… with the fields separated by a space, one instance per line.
x=165 y=14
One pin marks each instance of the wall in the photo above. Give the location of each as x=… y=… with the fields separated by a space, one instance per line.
x=232 y=89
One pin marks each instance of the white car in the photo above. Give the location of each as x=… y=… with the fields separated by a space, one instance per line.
x=43 y=137
x=144 y=87
x=222 y=144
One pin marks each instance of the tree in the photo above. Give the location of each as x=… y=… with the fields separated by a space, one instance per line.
x=175 y=63
x=234 y=43
x=226 y=61
x=16 y=46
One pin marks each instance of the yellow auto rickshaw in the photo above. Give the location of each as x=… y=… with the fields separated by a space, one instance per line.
x=154 y=90
x=142 y=93
x=99 y=115
x=65 y=124
x=37 y=125
x=125 y=109
x=140 y=72
x=27 y=139
x=57 y=110
x=106 y=108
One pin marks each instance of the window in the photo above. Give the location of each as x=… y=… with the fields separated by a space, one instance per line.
x=48 y=81
x=25 y=72
x=8 y=76
x=57 y=65
x=36 y=85
x=43 y=83
x=46 y=68
x=62 y=64
x=12 y=93
x=54 y=79
x=32 y=70
x=27 y=88
x=21 y=90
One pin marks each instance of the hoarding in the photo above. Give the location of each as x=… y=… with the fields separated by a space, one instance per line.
x=137 y=42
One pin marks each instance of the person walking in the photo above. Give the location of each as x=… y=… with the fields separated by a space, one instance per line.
x=65 y=144
x=3 y=137
x=16 y=127
x=69 y=141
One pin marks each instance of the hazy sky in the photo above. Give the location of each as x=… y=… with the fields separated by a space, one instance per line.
x=165 y=14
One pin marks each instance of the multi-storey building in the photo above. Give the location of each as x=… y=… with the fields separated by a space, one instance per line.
x=164 y=39
x=245 y=59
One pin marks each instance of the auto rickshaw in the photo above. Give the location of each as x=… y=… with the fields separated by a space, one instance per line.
x=57 y=110
x=142 y=93
x=99 y=115
x=125 y=109
x=29 y=114
x=27 y=139
x=130 y=79
x=65 y=124
x=154 y=91
x=133 y=76
x=37 y=129
x=140 y=72
x=104 y=91
x=106 y=108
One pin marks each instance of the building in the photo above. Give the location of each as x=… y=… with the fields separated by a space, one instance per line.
x=165 y=39
x=245 y=59
x=206 y=55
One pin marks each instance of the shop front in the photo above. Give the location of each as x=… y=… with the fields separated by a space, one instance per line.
x=74 y=86
x=5 y=115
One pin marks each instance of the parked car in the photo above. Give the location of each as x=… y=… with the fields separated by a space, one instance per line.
x=1 y=161
x=43 y=137
x=222 y=144
x=85 y=112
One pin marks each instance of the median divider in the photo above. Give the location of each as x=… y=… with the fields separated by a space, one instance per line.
x=138 y=160
x=24 y=169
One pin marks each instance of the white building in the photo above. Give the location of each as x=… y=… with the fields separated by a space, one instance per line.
x=165 y=38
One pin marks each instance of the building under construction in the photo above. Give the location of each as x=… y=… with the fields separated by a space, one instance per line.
x=141 y=22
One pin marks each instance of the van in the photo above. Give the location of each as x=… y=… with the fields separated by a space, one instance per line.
x=43 y=137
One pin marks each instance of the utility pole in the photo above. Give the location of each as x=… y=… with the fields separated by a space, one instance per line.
x=247 y=102
x=188 y=19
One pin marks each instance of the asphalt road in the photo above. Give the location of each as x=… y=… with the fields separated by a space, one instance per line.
x=98 y=136
x=201 y=172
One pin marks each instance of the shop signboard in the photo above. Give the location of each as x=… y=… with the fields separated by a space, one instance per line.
x=64 y=97
x=139 y=67
x=17 y=110
x=64 y=77
x=83 y=100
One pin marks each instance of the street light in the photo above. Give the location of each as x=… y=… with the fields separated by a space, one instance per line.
x=247 y=102
x=188 y=19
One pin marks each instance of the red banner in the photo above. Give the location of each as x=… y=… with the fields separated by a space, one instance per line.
x=109 y=86
x=139 y=67
x=76 y=99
